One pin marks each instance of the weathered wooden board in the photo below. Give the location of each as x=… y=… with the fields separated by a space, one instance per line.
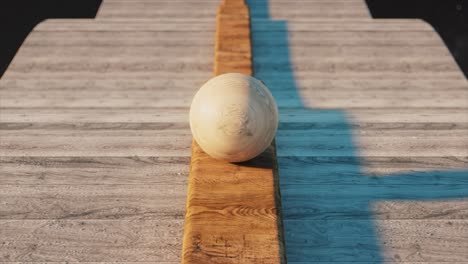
x=176 y=142
x=330 y=98
x=125 y=241
x=206 y=9
x=137 y=201
x=40 y=171
x=414 y=50
x=133 y=205
x=356 y=75
x=335 y=189
x=233 y=212
x=435 y=118
x=91 y=240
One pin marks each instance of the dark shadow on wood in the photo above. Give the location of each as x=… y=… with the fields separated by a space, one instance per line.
x=264 y=160
x=327 y=198
x=448 y=17
x=19 y=17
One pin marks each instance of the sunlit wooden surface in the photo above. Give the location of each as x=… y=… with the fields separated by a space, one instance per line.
x=233 y=211
x=95 y=142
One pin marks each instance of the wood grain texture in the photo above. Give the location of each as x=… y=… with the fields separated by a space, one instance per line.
x=233 y=212
x=206 y=9
x=122 y=241
x=57 y=240
x=40 y=171
x=410 y=49
x=86 y=201
x=131 y=205
x=364 y=84
x=327 y=98
x=176 y=142
x=361 y=117
x=97 y=171
x=421 y=245
x=136 y=201
x=313 y=185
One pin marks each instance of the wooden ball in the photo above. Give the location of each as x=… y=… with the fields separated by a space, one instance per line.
x=233 y=117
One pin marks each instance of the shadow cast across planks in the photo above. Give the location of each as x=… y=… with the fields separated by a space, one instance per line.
x=327 y=198
x=19 y=17
x=448 y=17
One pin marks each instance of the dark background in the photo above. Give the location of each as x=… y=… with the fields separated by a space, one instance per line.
x=448 y=17
x=19 y=17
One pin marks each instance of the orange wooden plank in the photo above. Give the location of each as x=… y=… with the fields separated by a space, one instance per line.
x=233 y=212
x=233 y=37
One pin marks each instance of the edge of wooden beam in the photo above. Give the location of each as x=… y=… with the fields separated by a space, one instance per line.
x=233 y=211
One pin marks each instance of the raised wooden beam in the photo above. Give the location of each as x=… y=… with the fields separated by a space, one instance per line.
x=233 y=49
x=233 y=212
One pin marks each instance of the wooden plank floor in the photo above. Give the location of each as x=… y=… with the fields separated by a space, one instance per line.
x=95 y=142
x=204 y=9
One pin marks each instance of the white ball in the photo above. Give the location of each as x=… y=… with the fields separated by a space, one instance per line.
x=233 y=117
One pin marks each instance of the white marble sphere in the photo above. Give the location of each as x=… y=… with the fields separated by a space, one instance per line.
x=234 y=117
